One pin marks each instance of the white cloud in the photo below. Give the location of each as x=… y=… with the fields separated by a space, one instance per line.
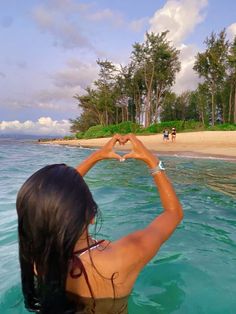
x=101 y=15
x=107 y=14
x=21 y=64
x=2 y=75
x=54 y=95
x=68 y=5
x=186 y=79
x=52 y=98
x=231 y=31
x=65 y=32
x=59 y=94
x=179 y=17
x=76 y=74
x=137 y=25
x=117 y=19
x=43 y=126
x=6 y=21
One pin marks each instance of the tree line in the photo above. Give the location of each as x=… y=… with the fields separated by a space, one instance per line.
x=141 y=91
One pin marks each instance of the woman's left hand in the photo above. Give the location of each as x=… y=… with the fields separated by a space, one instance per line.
x=106 y=152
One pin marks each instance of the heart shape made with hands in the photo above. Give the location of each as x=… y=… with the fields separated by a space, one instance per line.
x=122 y=140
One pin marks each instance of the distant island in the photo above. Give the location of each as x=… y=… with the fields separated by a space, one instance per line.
x=18 y=136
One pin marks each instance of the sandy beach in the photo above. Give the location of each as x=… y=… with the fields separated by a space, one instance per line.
x=219 y=144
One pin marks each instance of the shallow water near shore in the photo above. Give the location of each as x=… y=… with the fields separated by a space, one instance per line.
x=194 y=272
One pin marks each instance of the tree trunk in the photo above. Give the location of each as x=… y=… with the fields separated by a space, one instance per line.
x=137 y=111
x=156 y=109
x=223 y=112
x=212 y=109
x=148 y=104
x=151 y=112
x=101 y=120
x=106 y=116
x=230 y=104
x=235 y=104
x=147 y=112
x=139 y=104
x=202 y=118
x=116 y=115
x=159 y=93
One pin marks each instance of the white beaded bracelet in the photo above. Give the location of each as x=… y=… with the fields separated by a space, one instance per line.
x=158 y=168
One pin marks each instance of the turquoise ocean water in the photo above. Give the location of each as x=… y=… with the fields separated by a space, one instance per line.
x=194 y=272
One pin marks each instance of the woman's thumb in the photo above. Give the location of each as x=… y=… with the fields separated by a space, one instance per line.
x=129 y=155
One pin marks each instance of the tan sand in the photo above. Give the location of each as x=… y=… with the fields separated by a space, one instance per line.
x=206 y=143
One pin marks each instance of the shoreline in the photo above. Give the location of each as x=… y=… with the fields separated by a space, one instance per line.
x=203 y=144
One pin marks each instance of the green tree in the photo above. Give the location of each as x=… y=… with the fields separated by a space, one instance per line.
x=232 y=81
x=168 y=112
x=83 y=122
x=157 y=62
x=130 y=83
x=212 y=65
x=181 y=105
x=98 y=103
x=105 y=85
x=91 y=106
x=202 y=98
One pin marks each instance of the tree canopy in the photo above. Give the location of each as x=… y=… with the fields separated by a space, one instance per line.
x=141 y=91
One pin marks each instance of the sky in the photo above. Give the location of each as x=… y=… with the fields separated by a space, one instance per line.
x=49 y=50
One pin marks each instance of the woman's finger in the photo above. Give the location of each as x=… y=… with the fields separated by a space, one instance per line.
x=115 y=138
x=116 y=156
x=133 y=139
x=124 y=139
x=129 y=155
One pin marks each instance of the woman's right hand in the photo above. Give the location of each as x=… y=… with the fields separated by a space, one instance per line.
x=140 y=151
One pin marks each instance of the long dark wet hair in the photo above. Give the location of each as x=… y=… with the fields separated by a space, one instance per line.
x=54 y=206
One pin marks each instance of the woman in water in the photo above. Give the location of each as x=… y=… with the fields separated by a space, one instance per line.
x=65 y=270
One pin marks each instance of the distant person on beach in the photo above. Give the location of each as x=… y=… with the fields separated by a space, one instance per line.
x=64 y=269
x=173 y=134
x=165 y=135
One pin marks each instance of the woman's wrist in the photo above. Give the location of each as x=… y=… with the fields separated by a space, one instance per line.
x=96 y=156
x=152 y=161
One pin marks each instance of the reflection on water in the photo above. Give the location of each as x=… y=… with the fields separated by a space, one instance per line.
x=215 y=175
x=194 y=272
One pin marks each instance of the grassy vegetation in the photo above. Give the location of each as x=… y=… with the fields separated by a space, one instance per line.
x=99 y=131
x=223 y=127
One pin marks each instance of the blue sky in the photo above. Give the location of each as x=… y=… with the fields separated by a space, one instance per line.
x=49 y=50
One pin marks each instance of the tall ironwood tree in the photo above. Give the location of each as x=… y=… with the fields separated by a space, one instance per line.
x=232 y=81
x=157 y=61
x=212 y=66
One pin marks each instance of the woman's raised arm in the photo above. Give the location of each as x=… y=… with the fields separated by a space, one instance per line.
x=139 y=247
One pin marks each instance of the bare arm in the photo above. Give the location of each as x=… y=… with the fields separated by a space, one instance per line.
x=87 y=164
x=139 y=247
